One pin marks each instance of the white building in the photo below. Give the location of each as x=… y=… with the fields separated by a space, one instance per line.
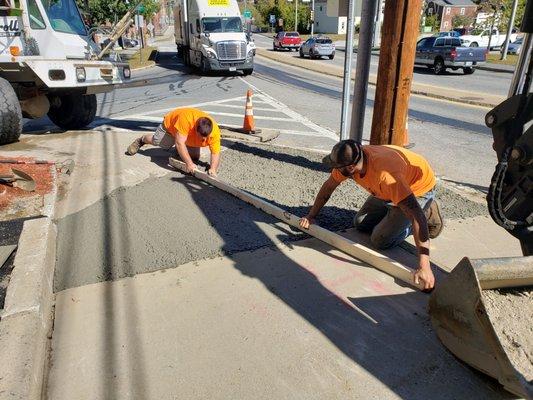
x=331 y=16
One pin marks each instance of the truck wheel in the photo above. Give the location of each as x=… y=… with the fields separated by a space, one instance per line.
x=73 y=111
x=474 y=44
x=10 y=114
x=301 y=53
x=468 y=70
x=204 y=66
x=438 y=66
x=331 y=56
x=247 y=71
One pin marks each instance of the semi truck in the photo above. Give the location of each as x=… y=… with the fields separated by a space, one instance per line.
x=210 y=36
x=49 y=65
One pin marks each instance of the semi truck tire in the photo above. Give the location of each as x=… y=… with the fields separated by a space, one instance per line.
x=247 y=71
x=73 y=111
x=468 y=70
x=10 y=114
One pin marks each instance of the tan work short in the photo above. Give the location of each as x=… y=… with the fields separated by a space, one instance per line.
x=162 y=138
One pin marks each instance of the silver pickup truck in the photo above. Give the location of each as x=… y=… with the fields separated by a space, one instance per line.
x=440 y=53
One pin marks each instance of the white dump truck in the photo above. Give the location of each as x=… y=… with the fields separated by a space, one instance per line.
x=209 y=35
x=49 y=66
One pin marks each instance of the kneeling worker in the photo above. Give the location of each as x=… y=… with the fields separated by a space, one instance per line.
x=401 y=184
x=188 y=129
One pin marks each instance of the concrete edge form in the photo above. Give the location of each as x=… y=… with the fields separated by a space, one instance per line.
x=27 y=318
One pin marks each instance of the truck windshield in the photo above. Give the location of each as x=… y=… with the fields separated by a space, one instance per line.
x=64 y=16
x=229 y=24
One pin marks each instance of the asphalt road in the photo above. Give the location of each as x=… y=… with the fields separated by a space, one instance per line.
x=306 y=108
x=481 y=81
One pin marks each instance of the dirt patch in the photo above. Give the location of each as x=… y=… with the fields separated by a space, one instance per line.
x=511 y=312
x=17 y=203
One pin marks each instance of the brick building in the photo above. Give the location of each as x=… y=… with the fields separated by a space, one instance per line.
x=447 y=9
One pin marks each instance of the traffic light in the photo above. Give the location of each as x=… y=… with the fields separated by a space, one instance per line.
x=312 y=15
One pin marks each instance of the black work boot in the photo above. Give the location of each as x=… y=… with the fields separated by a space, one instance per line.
x=135 y=146
x=434 y=218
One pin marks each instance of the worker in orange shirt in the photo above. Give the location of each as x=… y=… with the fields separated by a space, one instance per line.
x=401 y=185
x=189 y=129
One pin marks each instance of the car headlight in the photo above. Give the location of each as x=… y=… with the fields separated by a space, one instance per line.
x=80 y=74
x=465 y=41
x=211 y=54
x=250 y=53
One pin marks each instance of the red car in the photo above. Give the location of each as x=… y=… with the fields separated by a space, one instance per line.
x=287 y=40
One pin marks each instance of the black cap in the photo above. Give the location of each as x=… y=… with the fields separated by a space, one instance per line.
x=344 y=153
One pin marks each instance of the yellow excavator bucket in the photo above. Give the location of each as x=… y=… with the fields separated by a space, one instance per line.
x=483 y=313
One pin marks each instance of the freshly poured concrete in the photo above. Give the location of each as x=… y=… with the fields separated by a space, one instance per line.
x=301 y=322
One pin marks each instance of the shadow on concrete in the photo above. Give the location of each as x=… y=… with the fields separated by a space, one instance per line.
x=391 y=339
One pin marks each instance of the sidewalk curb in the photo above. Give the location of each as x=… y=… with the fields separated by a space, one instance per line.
x=27 y=319
x=419 y=89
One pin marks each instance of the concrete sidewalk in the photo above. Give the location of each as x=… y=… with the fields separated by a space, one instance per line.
x=439 y=92
x=303 y=321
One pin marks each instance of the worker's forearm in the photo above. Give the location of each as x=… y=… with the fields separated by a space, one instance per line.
x=421 y=236
x=184 y=153
x=321 y=199
x=215 y=160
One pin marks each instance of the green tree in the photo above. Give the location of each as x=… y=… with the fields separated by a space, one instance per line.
x=102 y=11
x=433 y=21
x=506 y=14
x=460 y=21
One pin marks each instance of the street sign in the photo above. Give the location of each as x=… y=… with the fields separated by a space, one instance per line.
x=140 y=8
x=248 y=14
x=272 y=19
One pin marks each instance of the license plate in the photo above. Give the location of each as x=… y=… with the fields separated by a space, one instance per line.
x=232 y=69
x=468 y=64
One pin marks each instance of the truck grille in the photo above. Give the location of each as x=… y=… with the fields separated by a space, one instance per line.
x=231 y=50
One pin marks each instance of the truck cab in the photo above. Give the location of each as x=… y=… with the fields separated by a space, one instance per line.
x=209 y=35
x=49 y=65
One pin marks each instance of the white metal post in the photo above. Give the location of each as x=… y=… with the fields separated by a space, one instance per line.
x=313 y=17
x=509 y=30
x=347 y=71
x=364 y=53
x=296 y=15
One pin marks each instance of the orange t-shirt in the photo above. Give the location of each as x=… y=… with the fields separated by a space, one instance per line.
x=183 y=121
x=393 y=173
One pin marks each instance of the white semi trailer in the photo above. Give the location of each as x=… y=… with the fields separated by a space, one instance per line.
x=49 y=65
x=209 y=35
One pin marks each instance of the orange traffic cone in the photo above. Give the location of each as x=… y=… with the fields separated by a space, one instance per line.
x=249 y=125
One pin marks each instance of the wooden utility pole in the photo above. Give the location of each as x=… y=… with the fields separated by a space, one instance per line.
x=395 y=71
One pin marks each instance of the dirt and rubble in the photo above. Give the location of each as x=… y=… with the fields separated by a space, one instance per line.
x=511 y=314
x=168 y=221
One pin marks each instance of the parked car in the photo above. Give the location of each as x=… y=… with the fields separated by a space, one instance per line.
x=516 y=46
x=317 y=47
x=440 y=53
x=480 y=38
x=287 y=40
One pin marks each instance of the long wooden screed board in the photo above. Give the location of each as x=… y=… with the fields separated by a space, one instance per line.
x=363 y=253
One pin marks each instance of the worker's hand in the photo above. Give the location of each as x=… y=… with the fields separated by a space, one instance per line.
x=306 y=221
x=190 y=167
x=212 y=172
x=425 y=275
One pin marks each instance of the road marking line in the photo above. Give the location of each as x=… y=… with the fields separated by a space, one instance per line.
x=255 y=116
x=287 y=111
